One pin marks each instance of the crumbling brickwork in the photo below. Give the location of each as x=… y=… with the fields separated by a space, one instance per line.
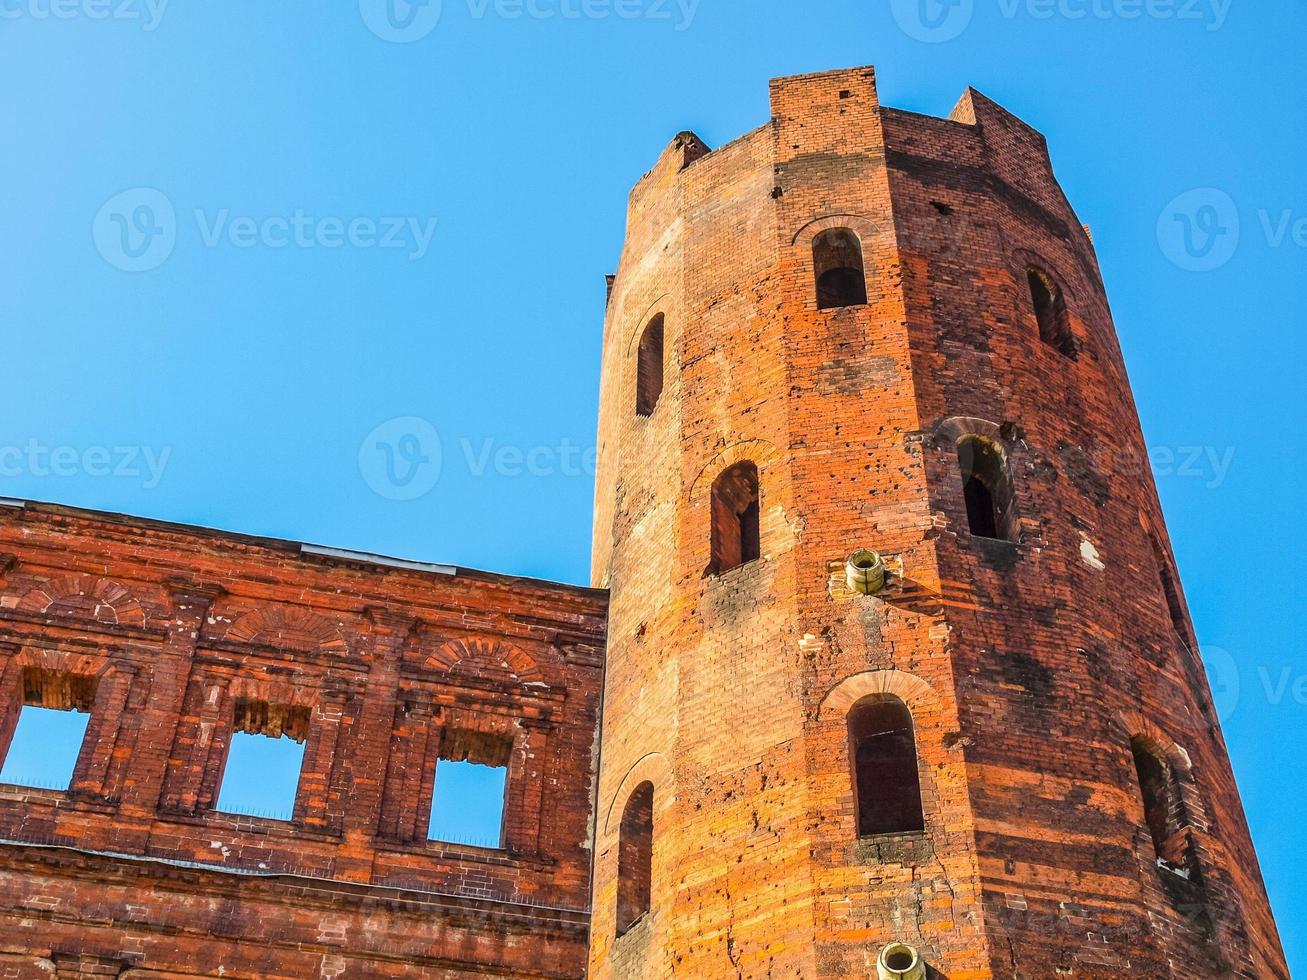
x=173 y=639
x=969 y=418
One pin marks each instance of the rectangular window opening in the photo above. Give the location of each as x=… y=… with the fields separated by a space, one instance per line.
x=264 y=759
x=50 y=729
x=45 y=747
x=467 y=805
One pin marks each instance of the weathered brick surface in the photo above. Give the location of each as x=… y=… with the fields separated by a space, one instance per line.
x=133 y=869
x=1028 y=666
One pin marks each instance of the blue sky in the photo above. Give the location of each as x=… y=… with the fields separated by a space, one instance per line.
x=367 y=230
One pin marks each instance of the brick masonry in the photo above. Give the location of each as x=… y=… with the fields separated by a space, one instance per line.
x=1029 y=665
x=132 y=872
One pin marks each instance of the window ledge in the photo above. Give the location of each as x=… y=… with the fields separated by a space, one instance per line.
x=236 y=823
x=448 y=851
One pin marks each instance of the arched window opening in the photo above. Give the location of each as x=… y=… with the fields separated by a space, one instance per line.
x=887 y=785
x=1155 y=786
x=1050 y=311
x=736 y=535
x=987 y=489
x=649 y=367
x=837 y=263
x=635 y=858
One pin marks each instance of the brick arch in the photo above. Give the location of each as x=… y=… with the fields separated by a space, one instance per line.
x=636 y=328
x=760 y=452
x=286 y=627
x=475 y=654
x=953 y=430
x=652 y=768
x=1024 y=259
x=861 y=225
x=908 y=688
x=80 y=596
x=1133 y=724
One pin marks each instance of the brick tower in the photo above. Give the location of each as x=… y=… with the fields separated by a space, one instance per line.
x=859 y=337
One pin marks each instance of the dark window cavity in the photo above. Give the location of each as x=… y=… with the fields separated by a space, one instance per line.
x=837 y=263
x=635 y=858
x=649 y=367
x=987 y=489
x=887 y=785
x=735 y=518
x=1050 y=311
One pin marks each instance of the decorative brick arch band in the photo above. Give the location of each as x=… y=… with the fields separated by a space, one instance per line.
x=284 y=627
x=861 y=225
x=908 y=688
x=953 y=430
x=652 y=768
x=635 y=329
x=101 y=600
x=760 y=452
x=475 y=655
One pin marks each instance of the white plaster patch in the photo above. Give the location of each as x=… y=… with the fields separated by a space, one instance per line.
x=1090 y=554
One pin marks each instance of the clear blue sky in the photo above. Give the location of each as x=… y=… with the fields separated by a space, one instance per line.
x=256 y=374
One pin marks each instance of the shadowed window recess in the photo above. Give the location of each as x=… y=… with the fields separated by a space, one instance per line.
x=987 y=489
x=886 y=783
x=635 y=858
x=1174 y=604
x=467 y=804
x=1050 y=312
x=262 y=773
x=41 y=735
x=649 y=367
x=736 y=532
x=837 y=264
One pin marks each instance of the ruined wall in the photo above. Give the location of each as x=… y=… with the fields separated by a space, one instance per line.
x=1028 y=666
x=384 y=669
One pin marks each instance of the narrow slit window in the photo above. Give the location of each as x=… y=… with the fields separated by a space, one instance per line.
x=635 y=858
x=838 y=265
x=736 y=514
x=649 y=367
x=50 y=729
x=1171 y=591
x=264 y=759
x=1050 y=312
x=467 y=804
x=887 y=785
x=986 y=489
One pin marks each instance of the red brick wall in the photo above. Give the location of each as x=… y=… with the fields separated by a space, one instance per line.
x=1027 y=666
x=133 y=866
